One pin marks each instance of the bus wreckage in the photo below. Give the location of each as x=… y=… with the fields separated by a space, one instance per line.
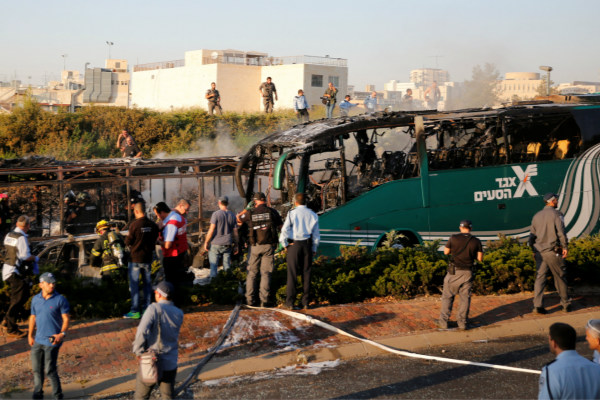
x=420 y=173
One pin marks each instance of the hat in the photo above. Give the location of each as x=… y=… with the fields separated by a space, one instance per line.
x=465 y=223
x=102 y=224
x=224 y=199
x=47 y=277
x=550 y=196
x=3 y=196
x=165 y=289
x=259 y=196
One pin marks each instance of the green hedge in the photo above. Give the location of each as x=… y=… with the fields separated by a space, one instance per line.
x=356 y=275
x=91 y=132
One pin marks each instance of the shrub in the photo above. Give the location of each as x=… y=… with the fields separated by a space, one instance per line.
x=356 y=275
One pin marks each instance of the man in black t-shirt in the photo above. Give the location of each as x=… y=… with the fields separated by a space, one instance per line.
x=132 y=149
x=464 y=250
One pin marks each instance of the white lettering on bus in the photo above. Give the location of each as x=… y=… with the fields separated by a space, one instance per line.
x=505 y=183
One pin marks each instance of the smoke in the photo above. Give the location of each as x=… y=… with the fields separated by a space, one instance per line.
x=172 y=189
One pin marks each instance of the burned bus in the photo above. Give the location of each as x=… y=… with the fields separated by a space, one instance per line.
x=420 y=173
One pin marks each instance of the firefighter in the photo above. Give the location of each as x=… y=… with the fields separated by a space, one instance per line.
x=109 y=253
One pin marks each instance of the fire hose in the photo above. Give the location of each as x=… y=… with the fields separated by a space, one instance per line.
x=313 y=321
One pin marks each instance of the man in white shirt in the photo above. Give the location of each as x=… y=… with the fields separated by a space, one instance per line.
x=300 y=237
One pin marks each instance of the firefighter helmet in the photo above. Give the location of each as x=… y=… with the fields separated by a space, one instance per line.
x=103 y=224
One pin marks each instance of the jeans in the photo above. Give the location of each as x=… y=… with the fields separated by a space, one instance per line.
x=330 y=108
x=134 y=284
x=43 y=359
x=214 y=255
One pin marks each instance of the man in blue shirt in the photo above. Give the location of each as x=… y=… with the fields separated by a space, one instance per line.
x=300 y=237
x=159 y=330
x=222 y=237
x=301 y=106
x=345 y=106
x=371 y=102
x=569 y=376
x=50 y=320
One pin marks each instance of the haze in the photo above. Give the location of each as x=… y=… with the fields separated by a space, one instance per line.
x=382 y=40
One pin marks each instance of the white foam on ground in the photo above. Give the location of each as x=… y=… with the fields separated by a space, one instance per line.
x=308 y=369
x=266 y=324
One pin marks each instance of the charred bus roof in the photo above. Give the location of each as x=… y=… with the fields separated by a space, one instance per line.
x=499 y=135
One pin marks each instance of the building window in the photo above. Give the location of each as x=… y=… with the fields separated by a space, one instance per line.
x=335 y=80
x=117 y=65
x=316 y=81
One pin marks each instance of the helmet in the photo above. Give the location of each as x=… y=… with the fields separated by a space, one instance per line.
x=102 y=224
x=69 y=196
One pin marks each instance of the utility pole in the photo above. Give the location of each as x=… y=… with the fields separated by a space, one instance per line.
x=64 y=56
x=110 y=44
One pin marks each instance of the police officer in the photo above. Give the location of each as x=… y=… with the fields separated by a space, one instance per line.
x=465 y=249
x=108 y=252
x=263 y=223
x=549 y=242
x=569 y=376
x=267 y=90
x=19 y=263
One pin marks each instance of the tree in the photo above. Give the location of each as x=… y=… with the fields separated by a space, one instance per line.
x=481 y=90
x=542 y=90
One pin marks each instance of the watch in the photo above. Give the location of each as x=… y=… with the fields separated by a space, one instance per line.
x=64 y=333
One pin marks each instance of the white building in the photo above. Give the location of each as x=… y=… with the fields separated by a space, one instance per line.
x=237 y=74
x=424 y=77
x=579 y=87
x=521 y=85
x=108 y=86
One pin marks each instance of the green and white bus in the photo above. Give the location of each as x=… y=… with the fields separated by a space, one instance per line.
x=420 y=173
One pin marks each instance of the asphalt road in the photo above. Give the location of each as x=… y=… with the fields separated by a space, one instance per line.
x=399 y=377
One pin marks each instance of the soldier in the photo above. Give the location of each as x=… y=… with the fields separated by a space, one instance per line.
x=549 y=242
x=267 y=90
x=214 y=99
x=263 y=223
x=465 y=249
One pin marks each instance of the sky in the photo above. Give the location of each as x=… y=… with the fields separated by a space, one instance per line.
x=382 y=40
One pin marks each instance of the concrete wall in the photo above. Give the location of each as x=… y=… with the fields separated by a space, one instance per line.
x=238 y=86
x=184 y=87
x=164 y=89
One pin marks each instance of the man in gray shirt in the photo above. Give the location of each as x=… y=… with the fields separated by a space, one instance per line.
x=549 y=242
x=164 y=318
x=221 y=238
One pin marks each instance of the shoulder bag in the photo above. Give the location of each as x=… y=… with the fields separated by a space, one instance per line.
x=149 y=369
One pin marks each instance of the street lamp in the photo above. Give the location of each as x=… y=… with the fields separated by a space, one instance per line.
x=64 y=56
x=109 y=46
x=547 y=69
